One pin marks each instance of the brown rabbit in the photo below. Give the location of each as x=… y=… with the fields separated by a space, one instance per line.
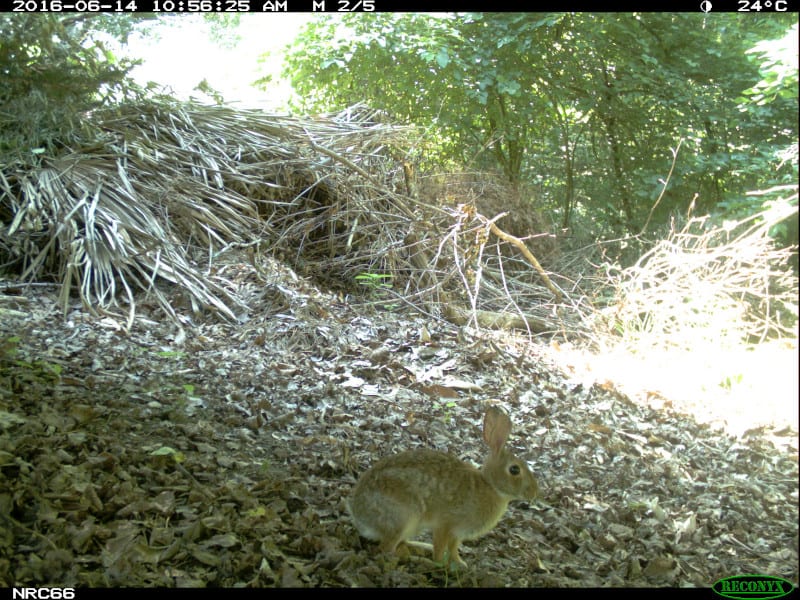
x=404 y=494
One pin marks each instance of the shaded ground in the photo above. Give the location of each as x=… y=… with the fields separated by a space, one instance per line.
x=221 y=455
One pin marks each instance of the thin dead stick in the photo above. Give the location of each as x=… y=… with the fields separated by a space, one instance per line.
x=663 y=187
x=525 y=252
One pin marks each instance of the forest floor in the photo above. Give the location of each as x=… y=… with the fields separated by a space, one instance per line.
x=222 y=454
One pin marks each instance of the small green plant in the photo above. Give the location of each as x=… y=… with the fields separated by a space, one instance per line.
x=169 y=452
x=9 y=346
x=375 y=281
x=187 y=398
x=378 y=285
x=446 y=408
x=170 y=354
x=41 y=369
x=731 y=380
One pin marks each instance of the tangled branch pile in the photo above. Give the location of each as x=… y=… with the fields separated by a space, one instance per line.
x=707 y=285
x=157 y=190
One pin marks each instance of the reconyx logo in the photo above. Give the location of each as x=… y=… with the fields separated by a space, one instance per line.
x=752 y=586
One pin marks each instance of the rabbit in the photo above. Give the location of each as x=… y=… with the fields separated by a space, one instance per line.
x=406 y=493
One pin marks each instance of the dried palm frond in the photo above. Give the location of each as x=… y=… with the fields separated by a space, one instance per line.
x=159 y=180
x=149 y=185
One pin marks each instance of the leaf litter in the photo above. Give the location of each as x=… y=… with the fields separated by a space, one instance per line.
x=222 y=454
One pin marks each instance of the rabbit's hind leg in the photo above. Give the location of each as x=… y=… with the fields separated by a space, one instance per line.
x=445 y=541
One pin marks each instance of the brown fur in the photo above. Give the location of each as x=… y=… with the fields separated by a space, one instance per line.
x=404 y=494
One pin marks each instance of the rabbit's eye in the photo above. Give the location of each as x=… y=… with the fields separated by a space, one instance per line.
x=514 y=469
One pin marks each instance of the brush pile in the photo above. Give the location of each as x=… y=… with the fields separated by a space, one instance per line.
x=157 y=191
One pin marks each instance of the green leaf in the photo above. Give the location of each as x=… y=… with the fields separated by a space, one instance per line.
x=176 y=455
x=442 y=58
x=164 y=451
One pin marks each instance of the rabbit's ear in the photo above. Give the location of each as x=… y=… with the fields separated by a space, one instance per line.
x=496 y=428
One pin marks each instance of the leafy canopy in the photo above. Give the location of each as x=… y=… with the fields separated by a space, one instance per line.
x=586 y=108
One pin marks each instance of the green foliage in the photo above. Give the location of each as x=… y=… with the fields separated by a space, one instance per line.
x=375 y=281
x=169 y=455
x=588 y=108
x=9 y=347
x=778 y=69
x=438 y=70
x=55 y=68
x=171 y=354
x=771 y=104
x=41 y=370
x=730 y=381
x=378 y=284
x=224 y=28
x=447 y=407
